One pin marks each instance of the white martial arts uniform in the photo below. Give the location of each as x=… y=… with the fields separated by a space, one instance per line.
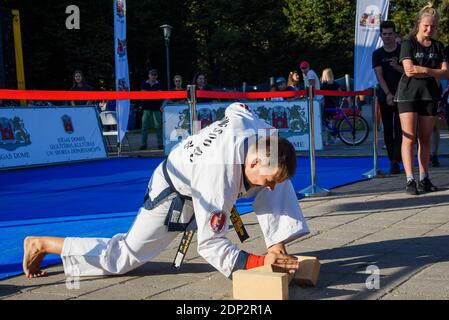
x=208 y=167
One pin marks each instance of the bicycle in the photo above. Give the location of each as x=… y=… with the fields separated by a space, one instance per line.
x=348 y=124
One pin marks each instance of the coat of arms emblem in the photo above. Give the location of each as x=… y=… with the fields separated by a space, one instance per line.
x=67 y=122
x=371 y=18
x=121 y=8
x=13 y=134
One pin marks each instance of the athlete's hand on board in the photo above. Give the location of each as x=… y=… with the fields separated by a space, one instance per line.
x=285 y=262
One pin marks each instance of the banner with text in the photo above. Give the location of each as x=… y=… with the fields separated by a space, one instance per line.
x=121 y=65
x=370 y=13
x=290 y=118
x=45 y=135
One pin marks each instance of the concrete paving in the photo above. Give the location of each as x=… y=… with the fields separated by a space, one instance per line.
x=371 y=225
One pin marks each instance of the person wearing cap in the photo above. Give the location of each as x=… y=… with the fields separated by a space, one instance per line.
x=310 y=77
x=280 y=85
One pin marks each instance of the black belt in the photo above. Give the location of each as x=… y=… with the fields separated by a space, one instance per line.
x=176 y=207
x=189 y=228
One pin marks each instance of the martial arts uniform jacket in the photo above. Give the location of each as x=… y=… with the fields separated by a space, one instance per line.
x=208 y=166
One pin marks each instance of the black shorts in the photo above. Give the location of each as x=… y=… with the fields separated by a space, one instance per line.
x=422 y=108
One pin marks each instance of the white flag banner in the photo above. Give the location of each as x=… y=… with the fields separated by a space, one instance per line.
x=121 y=65
x=370 y=13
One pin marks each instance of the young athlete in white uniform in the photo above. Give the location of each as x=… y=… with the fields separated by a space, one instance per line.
x=202 y=178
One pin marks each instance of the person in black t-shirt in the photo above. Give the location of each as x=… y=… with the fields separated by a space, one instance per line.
x=200 y=81
x=418 y=95
x=329 y=102
x=80 y=84
x=388 y=73
x=328 y=83
x=152 y=113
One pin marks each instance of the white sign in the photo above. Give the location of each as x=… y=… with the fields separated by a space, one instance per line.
x=43 y=135
x=370 y=13
x=291 y=118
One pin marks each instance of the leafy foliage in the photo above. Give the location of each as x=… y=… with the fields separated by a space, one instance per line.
x=231 y=41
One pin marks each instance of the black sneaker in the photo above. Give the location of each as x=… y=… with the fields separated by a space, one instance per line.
x=427 y=186
x=395 y=168
x=410 y=188
x=435 y=161
x=143 y=147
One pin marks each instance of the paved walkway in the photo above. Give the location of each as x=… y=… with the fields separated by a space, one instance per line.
x=371 y=223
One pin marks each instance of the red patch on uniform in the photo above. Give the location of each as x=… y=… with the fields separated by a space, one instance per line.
x=217 y=221
x=244 y=106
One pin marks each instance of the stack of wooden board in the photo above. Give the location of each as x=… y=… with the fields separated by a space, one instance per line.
x=271 y=283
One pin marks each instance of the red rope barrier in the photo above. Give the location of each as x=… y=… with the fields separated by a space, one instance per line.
x=159 y=95
x=248 y=95
x=91 y=95
x=338 y=93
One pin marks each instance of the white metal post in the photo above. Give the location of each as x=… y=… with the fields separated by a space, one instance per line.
x=375 y=172
x=313 y=190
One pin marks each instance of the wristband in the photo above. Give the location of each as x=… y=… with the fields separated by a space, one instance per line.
x=254 y=261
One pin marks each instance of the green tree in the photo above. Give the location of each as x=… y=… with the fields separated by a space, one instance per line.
x=404 y=14
x=231 y=41
x=323 y=32
x=239 y=40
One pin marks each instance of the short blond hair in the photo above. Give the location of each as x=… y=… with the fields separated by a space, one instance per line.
x=428 y=11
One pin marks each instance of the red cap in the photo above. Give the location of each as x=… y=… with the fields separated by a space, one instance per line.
x=304 y=64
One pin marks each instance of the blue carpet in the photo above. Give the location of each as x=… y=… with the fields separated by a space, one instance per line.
x=101 y=198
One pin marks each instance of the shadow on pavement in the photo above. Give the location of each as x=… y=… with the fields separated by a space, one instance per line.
x=158 y=268
x=396 y=204
x=6 y=290
x=148 y=269
x=343 y=270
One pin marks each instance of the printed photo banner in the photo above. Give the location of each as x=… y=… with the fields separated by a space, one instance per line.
x=121 y=65
x=45 y=135
x=290 y=118
x=370 y=13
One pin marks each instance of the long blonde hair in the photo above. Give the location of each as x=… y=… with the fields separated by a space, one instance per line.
x=327 y=76
x=427 y=11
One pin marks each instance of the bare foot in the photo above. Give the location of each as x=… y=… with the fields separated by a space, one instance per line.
x=32 y=257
